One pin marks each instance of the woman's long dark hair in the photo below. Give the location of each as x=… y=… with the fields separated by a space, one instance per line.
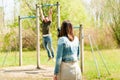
x=67 y=30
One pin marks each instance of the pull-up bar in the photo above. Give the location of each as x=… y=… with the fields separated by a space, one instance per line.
x=58 y=11
x=38 y=34
x=37 y=16
x=47 y=5
x=76 y=27
x=25 y=17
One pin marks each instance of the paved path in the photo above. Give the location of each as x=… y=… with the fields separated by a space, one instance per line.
x=26 y=73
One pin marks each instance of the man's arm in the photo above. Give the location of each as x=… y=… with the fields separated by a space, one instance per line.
x=41 y=14
x=50 y=14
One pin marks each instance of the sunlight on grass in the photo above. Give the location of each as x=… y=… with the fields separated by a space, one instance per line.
x=29 y=58
x=112 y=58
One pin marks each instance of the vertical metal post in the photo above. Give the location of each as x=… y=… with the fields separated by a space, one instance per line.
x=101 y=56
x=38 y=36
x=20 y=41
x=96 y=64
x=58 y=15
x=81 y=36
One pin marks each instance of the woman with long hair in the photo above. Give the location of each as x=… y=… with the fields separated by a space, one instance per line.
x=68 y=54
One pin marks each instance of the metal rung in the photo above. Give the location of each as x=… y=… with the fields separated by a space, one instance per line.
x=46 y=5
x=76 y=27
x=25 y=17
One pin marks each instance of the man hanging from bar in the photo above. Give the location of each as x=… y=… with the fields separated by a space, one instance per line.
x=47 y=38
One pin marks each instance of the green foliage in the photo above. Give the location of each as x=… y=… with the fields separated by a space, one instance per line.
x=76 y=12
x=14 y=25
x=105 y=14
x=108 y=13
x=101 y=36
x=68 y=11
x=112 y=14
x=29 y=39
x=10 y=41
x=73 y=11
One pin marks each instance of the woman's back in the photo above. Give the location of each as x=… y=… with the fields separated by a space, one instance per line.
x=70 y=49
x=67 y=57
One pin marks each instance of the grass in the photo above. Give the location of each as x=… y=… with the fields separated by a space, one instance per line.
x=112 y=59
x=29 y=58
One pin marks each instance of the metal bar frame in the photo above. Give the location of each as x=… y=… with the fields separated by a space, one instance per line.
x=47 y=5
x=38 y=32
x=27 y=17
x=38 y=35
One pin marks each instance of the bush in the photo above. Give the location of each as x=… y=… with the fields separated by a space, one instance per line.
x=11 y=40
x=29 y=39
x=102 y=37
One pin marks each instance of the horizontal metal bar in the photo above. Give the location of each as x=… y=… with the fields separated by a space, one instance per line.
x=46 y=5
x=76 y=27
x=25 y=17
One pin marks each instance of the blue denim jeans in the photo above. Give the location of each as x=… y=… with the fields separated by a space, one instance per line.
x=47 y=42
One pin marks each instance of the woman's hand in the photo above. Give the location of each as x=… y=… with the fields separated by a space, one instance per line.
x=55 y=77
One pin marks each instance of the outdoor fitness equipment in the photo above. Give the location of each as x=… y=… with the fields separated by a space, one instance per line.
x=20 y=18
x=92 y=43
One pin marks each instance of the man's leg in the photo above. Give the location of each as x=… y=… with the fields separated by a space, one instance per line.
x=45 y=43
x=50 y=46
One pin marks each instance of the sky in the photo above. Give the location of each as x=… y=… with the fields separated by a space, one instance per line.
x=0 y=3
x=87 y=1
x=8 y=8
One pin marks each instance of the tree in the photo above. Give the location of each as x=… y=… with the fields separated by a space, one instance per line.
x=112 y=17
x=106 y=13
x=69 y=9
